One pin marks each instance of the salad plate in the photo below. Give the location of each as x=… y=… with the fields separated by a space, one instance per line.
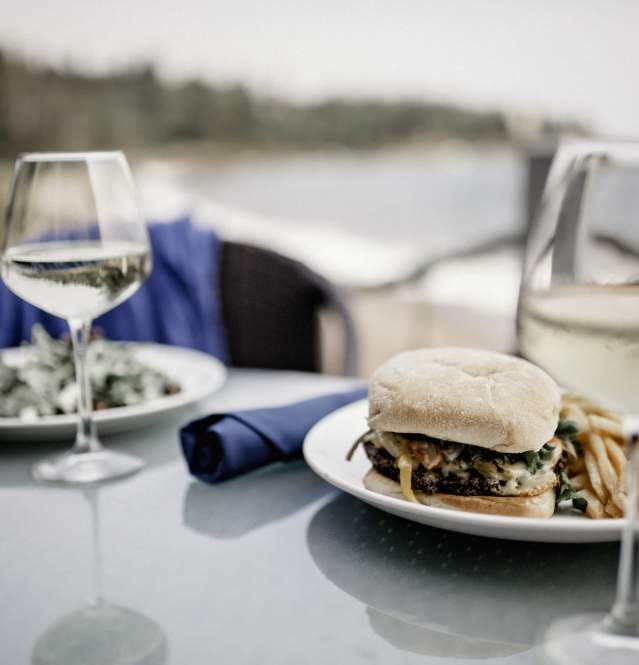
x=194 y=374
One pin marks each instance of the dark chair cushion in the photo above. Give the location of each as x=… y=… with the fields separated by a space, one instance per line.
x=270 y=305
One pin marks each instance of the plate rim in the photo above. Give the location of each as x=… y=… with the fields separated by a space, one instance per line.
x=114 y=414
x=609 y=529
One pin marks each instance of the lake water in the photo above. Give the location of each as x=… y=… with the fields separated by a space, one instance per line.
x=363 y=219
x=442 y=198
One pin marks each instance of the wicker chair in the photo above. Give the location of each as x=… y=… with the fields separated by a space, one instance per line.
x=271 y=306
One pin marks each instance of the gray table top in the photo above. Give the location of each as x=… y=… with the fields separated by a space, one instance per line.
x=274 y=567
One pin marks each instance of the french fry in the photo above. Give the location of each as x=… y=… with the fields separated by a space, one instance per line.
x=606 y=470
x=599 y=474
x=571 y=398
x=575 y=413
x=620 y=463
x=595 y=509
x=579 y=481
x=616 y=455
x=577 y=466
x=624 y=478
x=565 y=411
x=590 y=407
x=613 y=509
x=594 y=475
x=620 y=500
x=606 y=426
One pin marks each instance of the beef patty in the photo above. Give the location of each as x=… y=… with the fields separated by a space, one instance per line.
x=432 y=482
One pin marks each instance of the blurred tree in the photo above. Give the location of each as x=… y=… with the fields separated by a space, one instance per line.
x=63 y=109
x=195 y=112
x=238 y=114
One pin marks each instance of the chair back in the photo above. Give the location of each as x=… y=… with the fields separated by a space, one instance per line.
x=271 y=306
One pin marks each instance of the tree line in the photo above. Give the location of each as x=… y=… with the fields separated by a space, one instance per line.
x=48 y=108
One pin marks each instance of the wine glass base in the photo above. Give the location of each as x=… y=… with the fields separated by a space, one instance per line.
x=582 y=640
x=86 y=468
x=102 y=635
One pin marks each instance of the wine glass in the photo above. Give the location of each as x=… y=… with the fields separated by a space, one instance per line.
x=75 y=245
x=578 y=318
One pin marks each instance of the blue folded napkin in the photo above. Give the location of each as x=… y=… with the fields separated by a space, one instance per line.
x=178 y=304
x=224 y=445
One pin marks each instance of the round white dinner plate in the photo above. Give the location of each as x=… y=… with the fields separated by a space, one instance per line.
x=328 y=442
x=198 y=375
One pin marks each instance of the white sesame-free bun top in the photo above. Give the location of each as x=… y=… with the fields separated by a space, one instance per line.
x=466 y=395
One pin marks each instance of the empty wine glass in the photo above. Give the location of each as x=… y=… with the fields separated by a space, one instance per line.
x=579 y=320
x=75 y=245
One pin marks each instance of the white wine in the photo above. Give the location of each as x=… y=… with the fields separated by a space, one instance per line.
x=76 y=280
x=587 y=338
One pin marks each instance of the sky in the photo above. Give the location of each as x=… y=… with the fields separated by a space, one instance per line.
x=567 y=58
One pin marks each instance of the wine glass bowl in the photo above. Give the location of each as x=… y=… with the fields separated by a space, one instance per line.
x=578 y=318
x=75 y=245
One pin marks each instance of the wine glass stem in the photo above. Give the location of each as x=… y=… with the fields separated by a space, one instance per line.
x=624 y=617
x=92 y=496
x=86 y=439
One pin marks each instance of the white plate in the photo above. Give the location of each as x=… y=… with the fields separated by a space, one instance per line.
x=325 y=449
x=198 y=375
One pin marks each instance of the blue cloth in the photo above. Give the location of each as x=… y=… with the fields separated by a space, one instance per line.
x=224 y=445
x=179 y=304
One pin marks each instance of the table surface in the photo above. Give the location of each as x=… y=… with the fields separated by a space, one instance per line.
x=274 y=567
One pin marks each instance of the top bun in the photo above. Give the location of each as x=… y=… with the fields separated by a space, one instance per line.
x=466 y=395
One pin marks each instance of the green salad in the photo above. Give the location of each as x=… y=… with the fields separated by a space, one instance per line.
x=41 y=381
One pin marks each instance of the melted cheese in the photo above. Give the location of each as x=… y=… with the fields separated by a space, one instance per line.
x=516 y=477
x=405 y=465
x=456 y=467
x=392 y=443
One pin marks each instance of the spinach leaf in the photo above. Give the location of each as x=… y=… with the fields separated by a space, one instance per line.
x=566 y=491
x=533 y=462
x=567 y=430
x=580 y=503
x=546 y=451
x=353 y=448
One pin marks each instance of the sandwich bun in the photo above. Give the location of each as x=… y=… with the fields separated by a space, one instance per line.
x=469 y=396
x=541 y=505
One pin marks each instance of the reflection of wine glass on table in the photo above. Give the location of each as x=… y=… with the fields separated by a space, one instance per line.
x=579 y=320
x=101 y=633
x=75 y=245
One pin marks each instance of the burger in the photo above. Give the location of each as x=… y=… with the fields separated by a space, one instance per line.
x=465 y=429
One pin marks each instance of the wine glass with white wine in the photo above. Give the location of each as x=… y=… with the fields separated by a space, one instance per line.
x=579 y=319
x=74 y=244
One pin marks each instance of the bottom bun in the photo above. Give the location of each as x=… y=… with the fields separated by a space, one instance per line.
x=542 y=505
